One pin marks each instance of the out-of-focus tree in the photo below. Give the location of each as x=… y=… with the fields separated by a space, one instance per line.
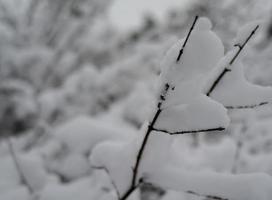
x=43 y=42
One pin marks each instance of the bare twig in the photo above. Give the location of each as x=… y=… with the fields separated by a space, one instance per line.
x=190 y=131
x=187 y=37
x=226 y=69
x=21 y=174
x=247 y=106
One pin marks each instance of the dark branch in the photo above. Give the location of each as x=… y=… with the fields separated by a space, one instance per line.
x=247 y=106
x=128 y=193
x=215 y=83
x=243 y=45
x=140 y=153
x=190 y=131
x=226 y=69
x=187 y=37
x=206 y=196
x=112 y=182
x=150 y=128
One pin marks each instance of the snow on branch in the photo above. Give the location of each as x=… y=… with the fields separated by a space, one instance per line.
x=217 y=185
x=192 y=97
x=226 y=69
x=157 y=114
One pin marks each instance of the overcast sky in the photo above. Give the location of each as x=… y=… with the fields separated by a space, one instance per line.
x=127 y=14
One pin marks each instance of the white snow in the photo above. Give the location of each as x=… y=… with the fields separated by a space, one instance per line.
x=83 y=189
x=235 y=187
x=235 y=91
x=71 y=166
x=117 y=158
x=82 y=133
x=201 y=113
x=203 y=50
x=15 y=193
x=244 y=32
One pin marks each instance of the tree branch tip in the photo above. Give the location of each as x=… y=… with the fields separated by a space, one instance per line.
x=186 y=39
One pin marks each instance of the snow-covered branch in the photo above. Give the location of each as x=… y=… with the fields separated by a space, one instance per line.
x=153 y=121
x=227 y=69
x=224 y=186
x=194 y=91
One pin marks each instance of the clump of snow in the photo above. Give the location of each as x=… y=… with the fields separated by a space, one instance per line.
x=83 y=189
x=15 y=193
x=71 y=166
x=32 y=168
x=236 y=187
x=233 y=90
x=117 y=159
x=193 y=116
x=8 y=174
x=82 y=133
x=203 y=50
x=245 y=30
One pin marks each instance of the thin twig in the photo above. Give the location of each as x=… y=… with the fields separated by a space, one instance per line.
x=226 y=69
x=247 y=106
x=140 y=154
x=190 y=131
x=187 y=37
x=243 y=45
x=21 y=174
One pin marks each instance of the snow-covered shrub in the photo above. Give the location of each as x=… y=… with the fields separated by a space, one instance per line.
x=198 y=84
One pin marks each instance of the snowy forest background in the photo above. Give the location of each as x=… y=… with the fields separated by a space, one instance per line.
x=69 y=77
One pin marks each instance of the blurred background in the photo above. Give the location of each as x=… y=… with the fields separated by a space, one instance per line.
x=69 y=68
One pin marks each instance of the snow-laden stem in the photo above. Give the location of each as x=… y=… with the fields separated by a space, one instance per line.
x=226 y=69
x=21 y=174
x=150 y=128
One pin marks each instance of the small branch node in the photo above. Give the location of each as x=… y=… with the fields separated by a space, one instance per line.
x=238 y=45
